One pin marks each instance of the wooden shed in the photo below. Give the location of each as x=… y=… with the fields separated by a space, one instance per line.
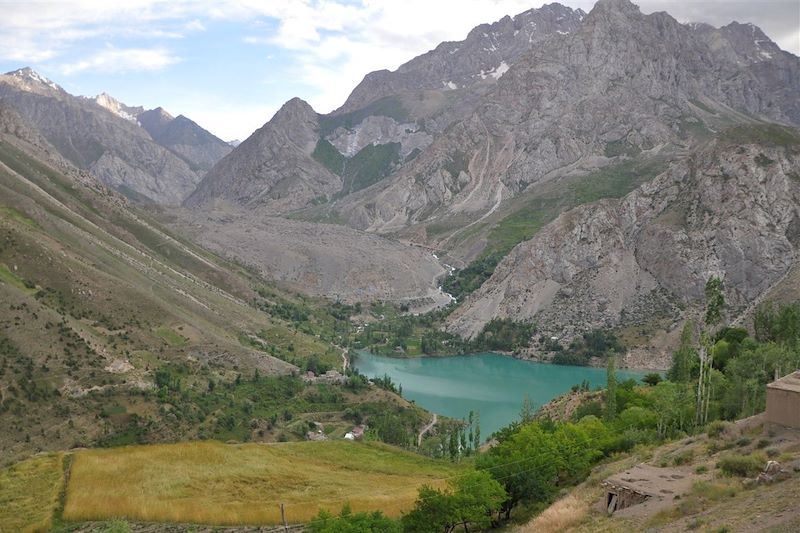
x=783 y=401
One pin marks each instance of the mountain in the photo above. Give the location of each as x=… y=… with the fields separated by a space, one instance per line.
x=455 y=133
x=731 y=209
x=185 y=138
x=478 y=146
x=274 y=166
x=388 y=119
x=622 y=84
x=104 y=136
x=485 y=55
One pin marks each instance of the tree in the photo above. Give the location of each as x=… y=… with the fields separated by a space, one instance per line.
x=349 y=522
x=526 y=464
x=471 y=499
x=683 y=358
x=715 y=302
x=462 y=438
x=476 y=437
x=453 y=445
x=528 y=411
x=611 y=388
x=652 y=379
x=432 y=512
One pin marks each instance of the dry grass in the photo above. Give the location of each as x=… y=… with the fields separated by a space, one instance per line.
x=565 y=513
x=214 y=483
x=29 y=493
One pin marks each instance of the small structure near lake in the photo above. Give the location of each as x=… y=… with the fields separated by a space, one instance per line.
x=357 y=433
x=783 y=401
x=644 y=483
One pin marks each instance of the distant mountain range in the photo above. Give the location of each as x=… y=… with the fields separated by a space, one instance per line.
x=147 y=155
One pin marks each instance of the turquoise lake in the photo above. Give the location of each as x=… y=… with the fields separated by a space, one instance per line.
x=494 y=385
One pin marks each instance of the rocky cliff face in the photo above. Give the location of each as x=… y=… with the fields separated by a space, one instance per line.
x=621 y=83
x=730 y=210
x=517 y=103
x=273 y=167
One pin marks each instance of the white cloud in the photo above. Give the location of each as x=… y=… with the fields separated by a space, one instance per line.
x=329 y=44
x=123 y=60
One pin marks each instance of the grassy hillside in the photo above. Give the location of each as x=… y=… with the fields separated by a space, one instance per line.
x=719 y=500
x=97 y=299
x=215 y=483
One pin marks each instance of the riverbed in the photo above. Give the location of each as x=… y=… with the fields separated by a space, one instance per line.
x=491 y=384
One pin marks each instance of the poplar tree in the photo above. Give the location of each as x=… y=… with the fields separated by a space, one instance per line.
x=611 y=387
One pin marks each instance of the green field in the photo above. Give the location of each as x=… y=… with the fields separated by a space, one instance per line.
x=171 y=337
x=215 y=483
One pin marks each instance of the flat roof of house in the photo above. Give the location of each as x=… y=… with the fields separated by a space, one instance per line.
x=651 y=480
x=790 y=382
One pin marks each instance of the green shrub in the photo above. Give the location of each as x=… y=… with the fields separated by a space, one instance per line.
x=716 y=428
x=685 y=457
x=742 y=465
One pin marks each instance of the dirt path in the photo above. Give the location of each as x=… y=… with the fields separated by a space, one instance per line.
x=426 y=429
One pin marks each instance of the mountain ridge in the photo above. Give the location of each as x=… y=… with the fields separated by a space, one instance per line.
x=104 y=136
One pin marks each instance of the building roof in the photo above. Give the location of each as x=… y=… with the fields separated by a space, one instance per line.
x=790 y=382
x=651 y=481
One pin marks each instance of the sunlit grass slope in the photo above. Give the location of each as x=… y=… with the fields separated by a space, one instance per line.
x=29 y=493
x=215 y=483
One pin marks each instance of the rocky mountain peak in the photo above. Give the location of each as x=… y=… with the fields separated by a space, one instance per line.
x=623 y=6
x=106 y=101
x=29 y=80
x=163 y=113
x=295 y=109
x=487 y=53
x=750 y=42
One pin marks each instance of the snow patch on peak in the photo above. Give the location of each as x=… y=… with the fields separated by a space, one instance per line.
x=450 y=85
x=27 y=74
x=496 y=72
x=110 y=103
x=501 y=69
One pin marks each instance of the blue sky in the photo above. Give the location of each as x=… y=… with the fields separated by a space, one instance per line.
x=230 y=64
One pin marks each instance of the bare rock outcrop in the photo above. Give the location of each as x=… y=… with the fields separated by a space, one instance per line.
x=731 y=209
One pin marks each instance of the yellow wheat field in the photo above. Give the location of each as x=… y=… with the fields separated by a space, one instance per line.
x=29 y=493
x=214 y=483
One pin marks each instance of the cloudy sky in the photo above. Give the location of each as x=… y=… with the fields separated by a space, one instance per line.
x=230 y=64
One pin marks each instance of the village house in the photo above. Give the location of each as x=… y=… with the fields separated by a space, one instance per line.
x=357 y=433
x=783 y=401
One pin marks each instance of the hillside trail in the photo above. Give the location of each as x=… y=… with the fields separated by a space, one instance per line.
x=426 y=429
